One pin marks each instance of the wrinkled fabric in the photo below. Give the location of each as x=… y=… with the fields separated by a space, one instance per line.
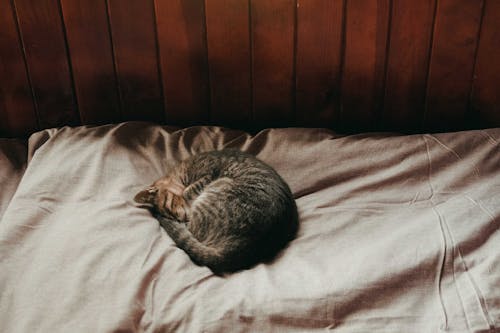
x=397 y=234
x=13 y=157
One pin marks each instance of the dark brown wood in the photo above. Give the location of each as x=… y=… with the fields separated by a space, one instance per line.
x=410 y=42
x=367 y=23
x=273 y=26
x=486 y=91
x=134 y=40
x=451 y=64
x=46 y=55
x=92 y=60
x=318 y=62
x=183 y=60
x=404 y=65
x=17 y=112
x=229 y=58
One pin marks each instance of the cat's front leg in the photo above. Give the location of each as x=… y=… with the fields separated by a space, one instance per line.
x=194 y=189
x=164 y=219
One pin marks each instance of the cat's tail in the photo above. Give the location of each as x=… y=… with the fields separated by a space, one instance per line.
x=199 y=253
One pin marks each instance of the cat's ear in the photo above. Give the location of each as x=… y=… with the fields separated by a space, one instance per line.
x=146 y=196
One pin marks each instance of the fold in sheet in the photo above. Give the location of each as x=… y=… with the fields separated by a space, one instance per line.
x=13 y=157
x=398 y=234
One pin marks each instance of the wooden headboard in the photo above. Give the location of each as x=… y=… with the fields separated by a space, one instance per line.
x=403 y=65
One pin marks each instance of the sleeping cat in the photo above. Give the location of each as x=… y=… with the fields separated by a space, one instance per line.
x=226 y=209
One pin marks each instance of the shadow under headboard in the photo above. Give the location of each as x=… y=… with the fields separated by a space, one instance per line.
x=356 y=65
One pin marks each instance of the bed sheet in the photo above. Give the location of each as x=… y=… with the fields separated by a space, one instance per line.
x=397 y=234
x=13 y=157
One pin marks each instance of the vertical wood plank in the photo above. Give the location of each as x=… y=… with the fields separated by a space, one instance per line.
x=410 y=41
x=46 y=55
x=486 y=90
x=367 y=23
x=319 y=53
x=273 y=29
x=92 y=60
x=229 y=59
x=451 y=65
x=134 y=39
x=183 y=60
x=17 y=112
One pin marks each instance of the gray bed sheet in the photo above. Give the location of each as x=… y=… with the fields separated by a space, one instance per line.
x=397 y=234
x=13 y=157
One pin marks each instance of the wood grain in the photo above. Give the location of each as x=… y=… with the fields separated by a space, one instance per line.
x=92 y=60
x=486 y=91
x=357 y=65
x=229 y=58
x=319 y=59
x=273 y=26
x=183 y=60
x=367 y=23
x=134 y=40
x=17 y=112
x=46 y=55
x=451 y=64
x=408 y=63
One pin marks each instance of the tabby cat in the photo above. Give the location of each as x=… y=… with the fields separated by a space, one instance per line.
x=226 y=209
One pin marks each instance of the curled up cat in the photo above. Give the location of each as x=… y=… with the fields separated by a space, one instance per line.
x=226 y=209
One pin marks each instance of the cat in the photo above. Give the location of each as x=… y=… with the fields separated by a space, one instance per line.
x=226 y=209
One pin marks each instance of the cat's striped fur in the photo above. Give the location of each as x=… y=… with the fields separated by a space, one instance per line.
x=226 y=209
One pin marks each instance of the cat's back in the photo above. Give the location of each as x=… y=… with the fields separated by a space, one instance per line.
x=244 y=183
x=233 y=164
x=246 y=213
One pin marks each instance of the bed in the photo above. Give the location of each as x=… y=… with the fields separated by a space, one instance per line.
x=397 y=234
x=382 y=116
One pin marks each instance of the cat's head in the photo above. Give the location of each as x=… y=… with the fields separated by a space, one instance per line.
x=164 y=196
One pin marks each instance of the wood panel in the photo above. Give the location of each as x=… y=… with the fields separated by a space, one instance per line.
x=408 y=63
x=273 y=37
x=486 y=93
x=318 y=61
x=134 y=40
x=41 y=26
x=89 y=43
x=367 y=24
x=358 y=65
x=183 y=60
x=17 y=112
x=229 y=58
x=451 y=65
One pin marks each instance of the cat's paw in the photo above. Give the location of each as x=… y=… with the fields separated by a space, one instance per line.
x=194 y=190
x=165 y=218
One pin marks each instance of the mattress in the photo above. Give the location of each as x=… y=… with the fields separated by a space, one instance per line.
x=397 y=234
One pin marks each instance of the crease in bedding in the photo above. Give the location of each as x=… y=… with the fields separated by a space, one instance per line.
x=398 y=234
x=13 y=155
